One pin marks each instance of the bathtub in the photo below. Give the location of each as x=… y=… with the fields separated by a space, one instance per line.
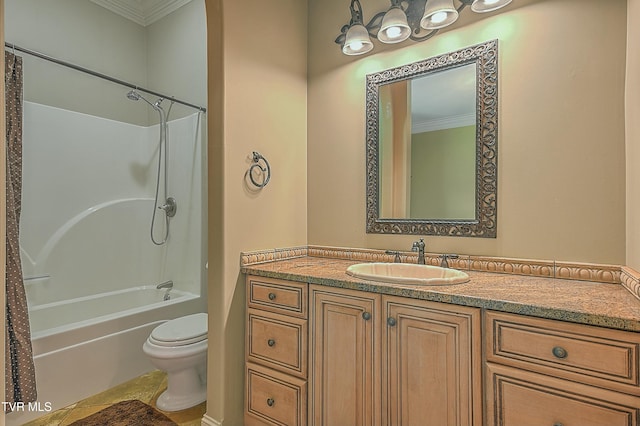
x=86 y=345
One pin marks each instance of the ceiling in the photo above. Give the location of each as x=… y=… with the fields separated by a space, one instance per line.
x=142 y=12
x=444 y=99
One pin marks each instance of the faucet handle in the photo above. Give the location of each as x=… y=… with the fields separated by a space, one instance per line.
x=445 y=259
x=396 y=259
x=418 y=245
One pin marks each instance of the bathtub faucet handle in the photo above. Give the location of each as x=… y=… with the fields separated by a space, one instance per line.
x=169 y=207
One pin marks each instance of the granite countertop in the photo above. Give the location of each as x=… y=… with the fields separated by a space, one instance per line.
x=606 y=305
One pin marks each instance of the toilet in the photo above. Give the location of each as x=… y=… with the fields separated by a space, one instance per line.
x=179 y=347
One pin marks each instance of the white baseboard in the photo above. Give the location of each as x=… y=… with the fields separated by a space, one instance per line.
x=208 y=421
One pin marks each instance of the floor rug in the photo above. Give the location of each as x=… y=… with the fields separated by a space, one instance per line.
x=126 y=413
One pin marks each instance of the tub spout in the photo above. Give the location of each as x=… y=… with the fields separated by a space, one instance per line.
x=166 y=284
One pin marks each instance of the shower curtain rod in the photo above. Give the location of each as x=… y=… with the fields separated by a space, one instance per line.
x=99 y=75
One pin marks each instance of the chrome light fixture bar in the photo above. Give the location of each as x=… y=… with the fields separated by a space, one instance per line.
x=418 y=20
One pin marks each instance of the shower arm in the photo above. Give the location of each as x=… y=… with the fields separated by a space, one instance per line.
x=14 y=47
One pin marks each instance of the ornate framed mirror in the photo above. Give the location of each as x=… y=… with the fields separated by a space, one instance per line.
x=432 y=145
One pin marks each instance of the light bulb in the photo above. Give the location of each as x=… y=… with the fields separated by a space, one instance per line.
x=356 y=46
x=393 y=32
x=439 y=17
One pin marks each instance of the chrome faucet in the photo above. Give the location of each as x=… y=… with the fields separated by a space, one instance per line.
x=419 y=247
x=166 y=284
x=445 y=259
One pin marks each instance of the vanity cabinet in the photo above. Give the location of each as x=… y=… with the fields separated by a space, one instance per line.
x=547 y=372
x=323 y=355
x=392 y=361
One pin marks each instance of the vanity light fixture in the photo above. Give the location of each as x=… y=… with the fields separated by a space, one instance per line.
x=417 y=20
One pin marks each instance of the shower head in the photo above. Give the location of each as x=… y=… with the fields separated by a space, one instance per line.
x=133 y=95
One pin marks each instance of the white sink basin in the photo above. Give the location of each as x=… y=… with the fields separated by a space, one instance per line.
x=407 y=273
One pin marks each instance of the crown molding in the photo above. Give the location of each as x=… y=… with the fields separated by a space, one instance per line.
x=142 y=12
x=444 y=123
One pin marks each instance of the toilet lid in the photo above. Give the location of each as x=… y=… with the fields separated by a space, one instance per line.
x=181 y=331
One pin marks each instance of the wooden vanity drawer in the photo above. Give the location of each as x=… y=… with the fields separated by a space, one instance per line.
x=273 y=398
x=593 y=355
x=277 y=341
x=522 y=398
x=284 y=297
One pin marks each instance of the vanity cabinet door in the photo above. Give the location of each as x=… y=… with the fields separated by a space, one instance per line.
x=431 y=364
x=344 y=358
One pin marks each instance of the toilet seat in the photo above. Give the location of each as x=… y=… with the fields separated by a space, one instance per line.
x=181 y=331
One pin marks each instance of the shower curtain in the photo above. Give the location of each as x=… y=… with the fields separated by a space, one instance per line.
x=20 y=381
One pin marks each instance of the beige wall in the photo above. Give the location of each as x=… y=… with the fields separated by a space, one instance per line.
x=561 y=141
x=395 y=149
x=633 y=134
x=257 y=95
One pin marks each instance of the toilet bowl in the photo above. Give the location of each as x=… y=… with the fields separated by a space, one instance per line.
x=179 y=347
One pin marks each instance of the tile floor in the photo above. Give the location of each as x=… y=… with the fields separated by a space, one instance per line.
x=146 y=388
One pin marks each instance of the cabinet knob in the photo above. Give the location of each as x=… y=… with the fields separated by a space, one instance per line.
x=391 y=321
x=559 y=352
x=271 y=342
x=270 y=402
x=272 y=296
x=366 y=316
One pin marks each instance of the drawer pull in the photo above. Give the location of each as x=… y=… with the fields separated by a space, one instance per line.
x=270 y=402
x=272 y=296
x=558 y=424
x=559 y=352
x=271 y=342
x=366 y=316
x=391 y=321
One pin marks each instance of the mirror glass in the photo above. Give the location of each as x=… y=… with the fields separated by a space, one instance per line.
x=427 y=140
x=432 y=144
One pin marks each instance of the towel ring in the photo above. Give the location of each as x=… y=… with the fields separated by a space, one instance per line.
x=265 y=171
